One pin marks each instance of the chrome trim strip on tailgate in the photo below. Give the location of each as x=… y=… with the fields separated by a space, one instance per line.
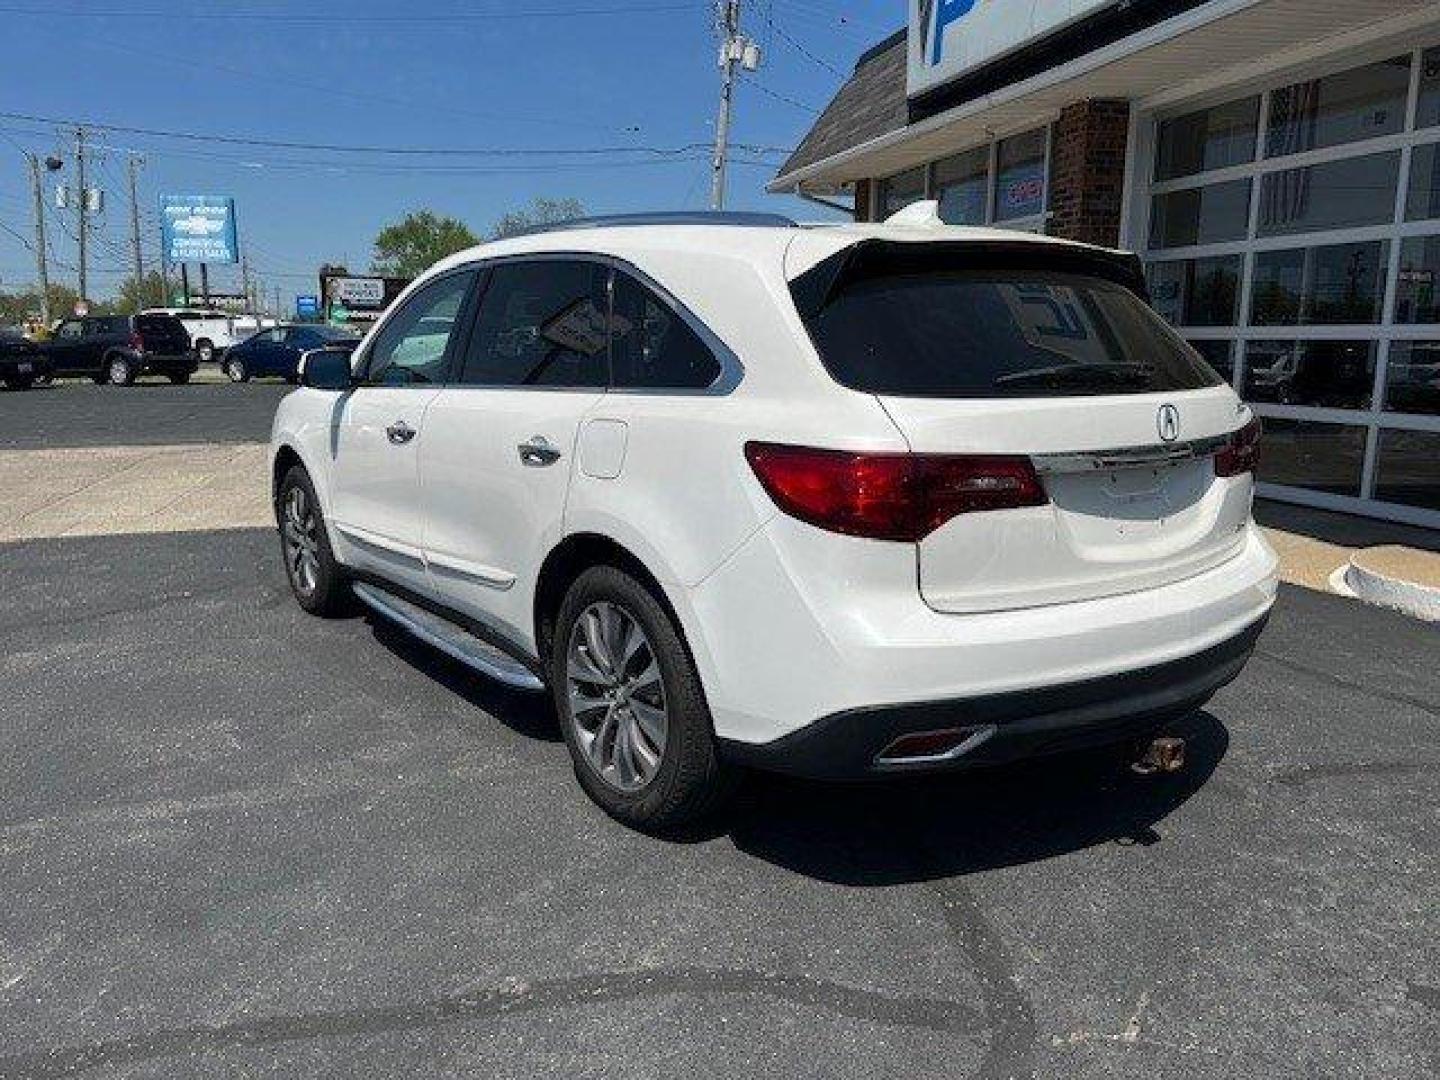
x=1134 y=457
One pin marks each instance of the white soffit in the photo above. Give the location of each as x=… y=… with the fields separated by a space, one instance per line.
x=1200 y=44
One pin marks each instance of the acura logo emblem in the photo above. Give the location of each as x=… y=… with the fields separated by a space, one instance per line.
x=1168 y=421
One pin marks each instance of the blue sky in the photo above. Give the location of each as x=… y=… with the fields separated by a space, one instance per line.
x=486 y=74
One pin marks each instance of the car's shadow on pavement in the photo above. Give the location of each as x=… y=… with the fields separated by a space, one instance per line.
x=915 y=828
x=527 y=714
x=922 y=828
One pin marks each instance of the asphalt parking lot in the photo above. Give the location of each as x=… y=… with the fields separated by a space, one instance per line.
x=239 y=841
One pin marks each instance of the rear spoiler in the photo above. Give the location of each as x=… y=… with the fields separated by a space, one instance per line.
x=813 y=289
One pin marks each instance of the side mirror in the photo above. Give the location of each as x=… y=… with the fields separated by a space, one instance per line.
x=327 y=368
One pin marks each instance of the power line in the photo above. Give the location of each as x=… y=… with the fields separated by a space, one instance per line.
x=333 y=19
x=391 y=151
x=756 y=84
x=801 y=49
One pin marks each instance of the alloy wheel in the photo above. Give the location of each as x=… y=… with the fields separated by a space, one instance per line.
x=616 y=696
x=119 y=372
x=302 y=544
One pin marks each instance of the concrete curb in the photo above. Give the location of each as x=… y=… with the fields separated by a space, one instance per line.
x=1372 y=585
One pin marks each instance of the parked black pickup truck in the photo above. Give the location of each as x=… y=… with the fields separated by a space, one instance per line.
x=116 y=349
x=21 y=360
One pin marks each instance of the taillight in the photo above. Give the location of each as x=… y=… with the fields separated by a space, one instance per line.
x=1242 y=453
x=890 y=496
x=137 y=342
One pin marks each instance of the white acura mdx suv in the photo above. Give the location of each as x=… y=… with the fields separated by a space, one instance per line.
x=844 y=500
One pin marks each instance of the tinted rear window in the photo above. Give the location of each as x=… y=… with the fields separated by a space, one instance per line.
x=968 y=333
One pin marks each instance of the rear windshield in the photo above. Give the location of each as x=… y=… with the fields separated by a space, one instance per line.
x=971 y=333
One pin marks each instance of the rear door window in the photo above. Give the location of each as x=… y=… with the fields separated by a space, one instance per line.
x=542 y=323
x=910 y=329
x=113 y=324
x=654 y=348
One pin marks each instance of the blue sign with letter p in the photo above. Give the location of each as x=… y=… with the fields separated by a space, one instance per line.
x=946 y=13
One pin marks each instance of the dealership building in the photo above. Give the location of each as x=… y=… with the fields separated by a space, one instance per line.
x=1276 y=164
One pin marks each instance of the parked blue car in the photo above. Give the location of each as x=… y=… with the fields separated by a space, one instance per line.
x=277 y=351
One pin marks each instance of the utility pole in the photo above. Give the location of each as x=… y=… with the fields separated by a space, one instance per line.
x=735 y=49
x=134 y=164
x=42 y=270
x=81 y=208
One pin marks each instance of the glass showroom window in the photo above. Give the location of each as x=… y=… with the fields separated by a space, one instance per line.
x=962 y=187
x=900 y=190
x=1020 y=176
x=1002 y=183
x=1293 y=238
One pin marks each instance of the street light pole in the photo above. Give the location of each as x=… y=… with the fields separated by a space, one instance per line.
x=42 y=269
x=134 y=167
x=730 y=26
x=82 y=207
x=735 y=50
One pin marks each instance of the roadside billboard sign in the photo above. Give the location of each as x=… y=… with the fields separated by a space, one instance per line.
x=346 y=298
x=198 y=229
x=307 y=306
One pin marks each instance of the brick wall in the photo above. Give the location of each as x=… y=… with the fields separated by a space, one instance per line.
x=1087 y=171
x=863 y=189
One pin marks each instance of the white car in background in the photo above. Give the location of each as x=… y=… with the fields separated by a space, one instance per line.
x=846 y=500
x=211 y=332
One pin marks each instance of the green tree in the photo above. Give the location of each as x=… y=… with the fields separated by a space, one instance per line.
x=147 y=291
x=19 y=307
x=414 y=244
x=540 y=212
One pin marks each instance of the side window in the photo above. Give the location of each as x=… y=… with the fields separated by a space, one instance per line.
x=71 y=330
x=654 y=348
x=273 y=337
x=541 y=323
x=413 y=347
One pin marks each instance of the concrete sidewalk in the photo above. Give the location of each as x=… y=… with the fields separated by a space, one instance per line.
x=1394 y=565
x=97 y=491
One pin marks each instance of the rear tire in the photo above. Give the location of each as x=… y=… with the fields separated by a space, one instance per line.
x=180 y=378
x=316 y=578
x=119 y=371
x=19 y=382
x=627 y=712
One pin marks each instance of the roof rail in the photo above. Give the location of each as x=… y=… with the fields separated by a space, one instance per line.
x=732 y=218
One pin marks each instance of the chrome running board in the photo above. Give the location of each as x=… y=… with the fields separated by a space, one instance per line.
x=452 y=640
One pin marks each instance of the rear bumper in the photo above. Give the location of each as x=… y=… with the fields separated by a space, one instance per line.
x=168 y=363
x=11 y=366
x=998 y=728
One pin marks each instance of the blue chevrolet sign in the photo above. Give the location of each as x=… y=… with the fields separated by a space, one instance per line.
x=198 y=228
